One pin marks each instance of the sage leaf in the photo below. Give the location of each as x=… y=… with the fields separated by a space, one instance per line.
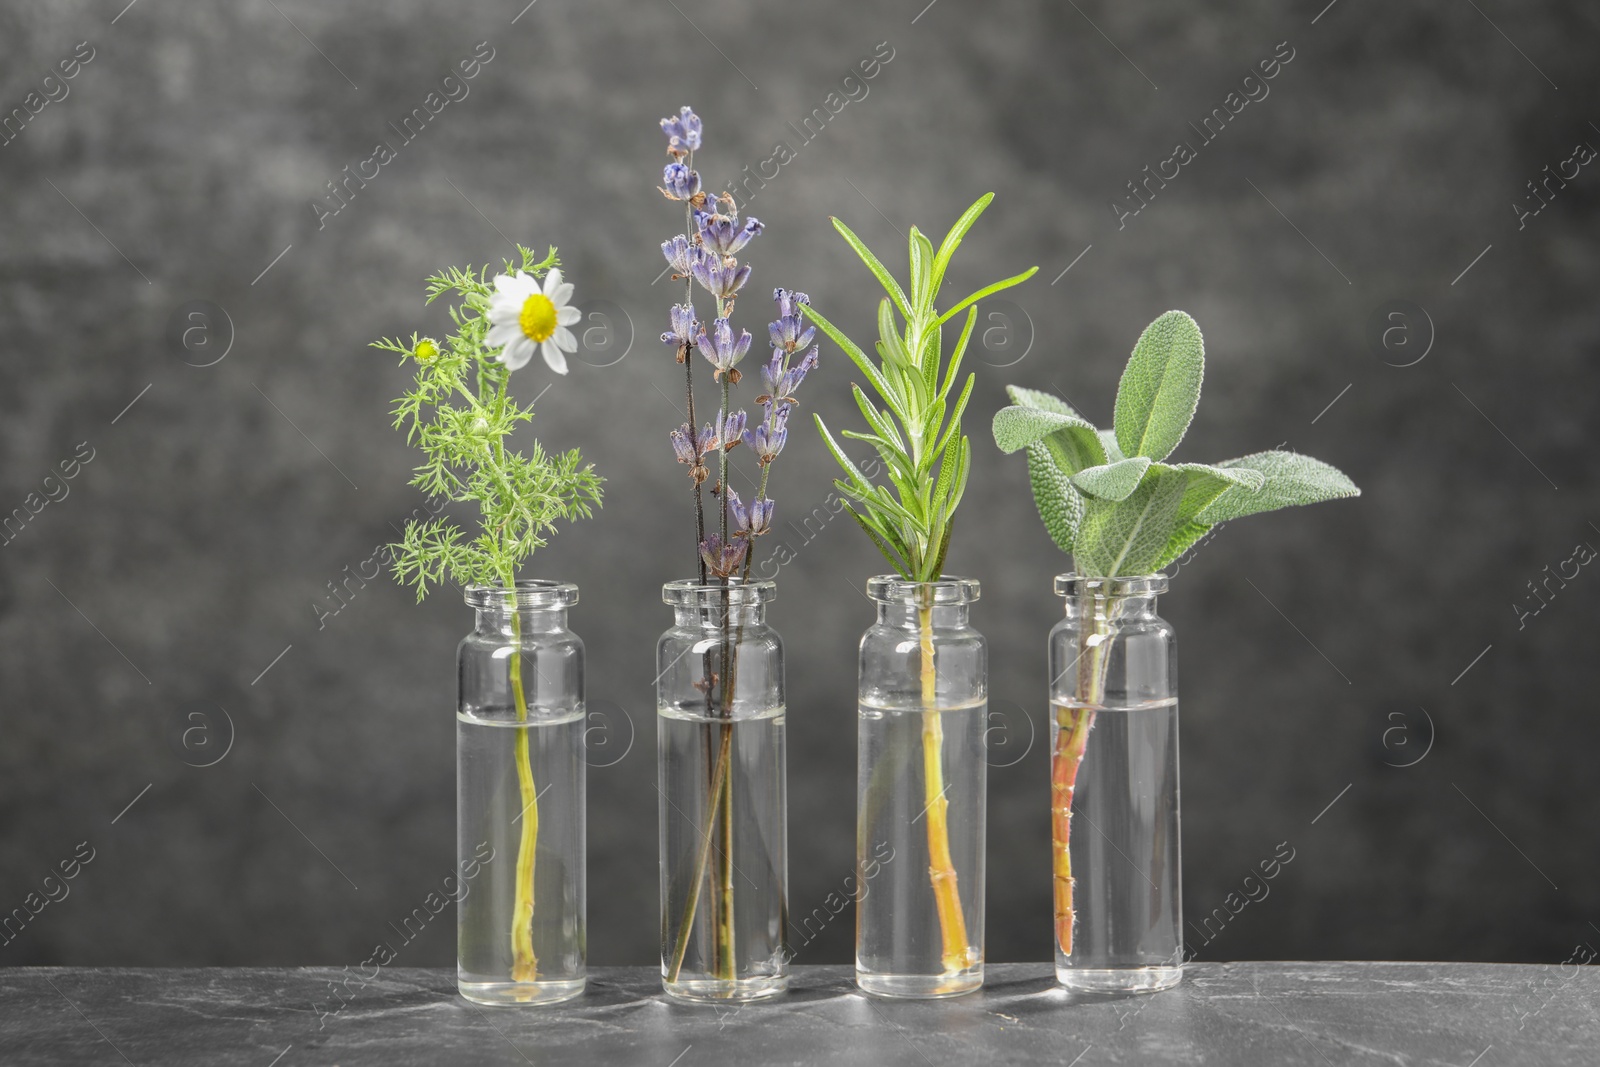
x=1075 y=449
x=1289 y=479
x=1034 y=398
x=1015 y=428
x=1127 y=537
x=1207 y=482
x=1160 y=387
x=1112 y=481
x=1183 y=536
x=1059 y=502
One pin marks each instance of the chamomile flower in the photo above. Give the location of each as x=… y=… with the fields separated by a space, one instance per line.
x=523 y=316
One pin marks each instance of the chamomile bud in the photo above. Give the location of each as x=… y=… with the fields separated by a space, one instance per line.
x=427 y=350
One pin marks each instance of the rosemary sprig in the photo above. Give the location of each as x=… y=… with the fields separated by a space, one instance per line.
x=917 y=431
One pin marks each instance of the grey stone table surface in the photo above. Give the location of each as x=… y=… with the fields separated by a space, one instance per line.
x=1237 y=1014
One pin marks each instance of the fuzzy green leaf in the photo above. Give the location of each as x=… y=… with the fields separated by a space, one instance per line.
x=1075 y=448
x=1183 y=536
x=1112 y=481
x=1160 y=387
x=1127 y=537
x=1059 y=502
x=1108 y=441
x=1042 y=401
x=1290 y=479
x=1015 y=428
x=1207 y=482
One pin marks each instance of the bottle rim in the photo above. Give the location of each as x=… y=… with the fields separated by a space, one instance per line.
x=942 y=592
x=709 y=594
x=1124 y=586
x=526 y=594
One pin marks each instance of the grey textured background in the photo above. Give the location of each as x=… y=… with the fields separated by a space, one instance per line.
x=194 y=544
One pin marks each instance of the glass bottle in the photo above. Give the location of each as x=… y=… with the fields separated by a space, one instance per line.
x=1114 y=787
x=921 y=782
x=720 y=766
x=519 y=884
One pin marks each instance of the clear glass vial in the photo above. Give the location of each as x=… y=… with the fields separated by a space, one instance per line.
x=520 y=908
x=720 y=765
x=921 y=784
x=1114 y=787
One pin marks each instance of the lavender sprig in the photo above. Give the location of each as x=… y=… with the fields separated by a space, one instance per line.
x=707 y=254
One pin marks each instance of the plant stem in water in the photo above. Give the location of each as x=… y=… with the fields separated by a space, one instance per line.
x=958 y=954
x=729 y=970
x=1073 y=723
x=686 y=922
x=524 y=964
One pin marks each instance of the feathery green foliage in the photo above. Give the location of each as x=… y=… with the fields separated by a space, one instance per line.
x=459 y=413
x=917 y=430
x=1108 y=497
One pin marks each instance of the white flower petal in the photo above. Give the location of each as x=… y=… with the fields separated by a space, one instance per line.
x=506 y=304
x=516 y=356
x=552 y=281
x=504 y=333
x=563 y=339
x=553 y=356
x=514 y=284
x=568 y=315
x=562 y=294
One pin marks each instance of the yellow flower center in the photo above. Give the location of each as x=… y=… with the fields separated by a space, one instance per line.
x=427 y=351
x=538 y=318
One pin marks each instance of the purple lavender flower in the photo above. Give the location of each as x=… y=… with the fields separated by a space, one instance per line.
x=730 y=430
x=721 y=279
x=723 y=234
x=684 y=445
x=754 y=520
x=680 y=255
x=723 y=559
x=789 y=331
x=783 y=380
x=722 y=350
x=684 y=328
x=683 y=132
x=691 y=448
x=767 y=439
x=679 y=182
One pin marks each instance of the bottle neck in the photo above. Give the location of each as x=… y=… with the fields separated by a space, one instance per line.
x=908 y=605
x=1110 y=600
x=1110 y=608
x=711 y=616
x=499 y=620
x=908 y=615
